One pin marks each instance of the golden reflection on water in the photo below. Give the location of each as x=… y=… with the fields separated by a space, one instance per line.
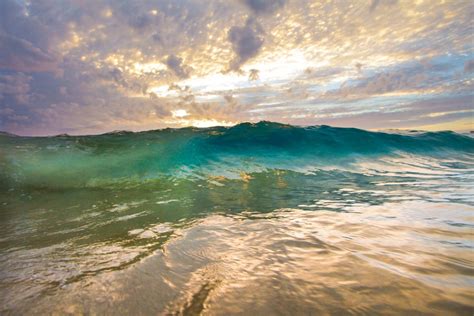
x=396 y=238
x=396 y=258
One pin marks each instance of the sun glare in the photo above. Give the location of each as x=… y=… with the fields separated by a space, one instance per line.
x=179 y=113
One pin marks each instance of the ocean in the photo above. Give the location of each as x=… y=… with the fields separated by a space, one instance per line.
x=261 y=219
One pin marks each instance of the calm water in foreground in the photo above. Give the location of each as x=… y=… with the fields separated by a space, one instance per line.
x=254 y=219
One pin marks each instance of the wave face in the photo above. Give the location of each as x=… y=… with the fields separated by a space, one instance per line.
x=253 y=219
x=126 y=157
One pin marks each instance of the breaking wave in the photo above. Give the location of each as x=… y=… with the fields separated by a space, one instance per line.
x=190 y=153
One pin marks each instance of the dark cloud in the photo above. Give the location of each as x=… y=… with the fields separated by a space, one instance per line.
x=16 y=23
x=140 y=22
x=24 y=41
x=469 y=66
x=21 y=55
x=246 y=42
x=116 y=75
x=175 y=64
x=376 y=3
x=254 y=74
x=134 y=13
x=264 y=6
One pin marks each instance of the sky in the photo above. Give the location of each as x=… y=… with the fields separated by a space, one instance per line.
x=88 y=67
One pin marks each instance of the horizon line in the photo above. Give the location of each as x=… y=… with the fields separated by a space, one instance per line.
x=119 y=131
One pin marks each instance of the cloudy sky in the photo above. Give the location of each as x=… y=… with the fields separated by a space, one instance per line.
x=83 y=67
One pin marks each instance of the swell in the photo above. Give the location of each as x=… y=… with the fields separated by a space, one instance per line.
x=124 y=157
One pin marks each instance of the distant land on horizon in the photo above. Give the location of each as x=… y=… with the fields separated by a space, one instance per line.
x=116 y=132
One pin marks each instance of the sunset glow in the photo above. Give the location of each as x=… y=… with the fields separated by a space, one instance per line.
x=95 y=66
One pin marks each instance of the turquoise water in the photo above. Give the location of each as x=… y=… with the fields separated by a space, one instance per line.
x=257 y=218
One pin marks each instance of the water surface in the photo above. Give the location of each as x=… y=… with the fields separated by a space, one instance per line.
x=255 y=219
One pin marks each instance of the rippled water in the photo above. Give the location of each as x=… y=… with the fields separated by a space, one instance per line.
x=246 y=220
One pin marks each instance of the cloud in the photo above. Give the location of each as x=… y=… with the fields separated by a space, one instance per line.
x=233 y=106
x=411 y=114
x=15 y=86
x=21 y=55
x=140 y=22
x=376 y=3
x=408 y=77
x=388 y=81
x=175 y=64
x=25 y=41
x=469 y=66
x=254 y=74
x=117 y=58
x=264 y=6
x=246 y=42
